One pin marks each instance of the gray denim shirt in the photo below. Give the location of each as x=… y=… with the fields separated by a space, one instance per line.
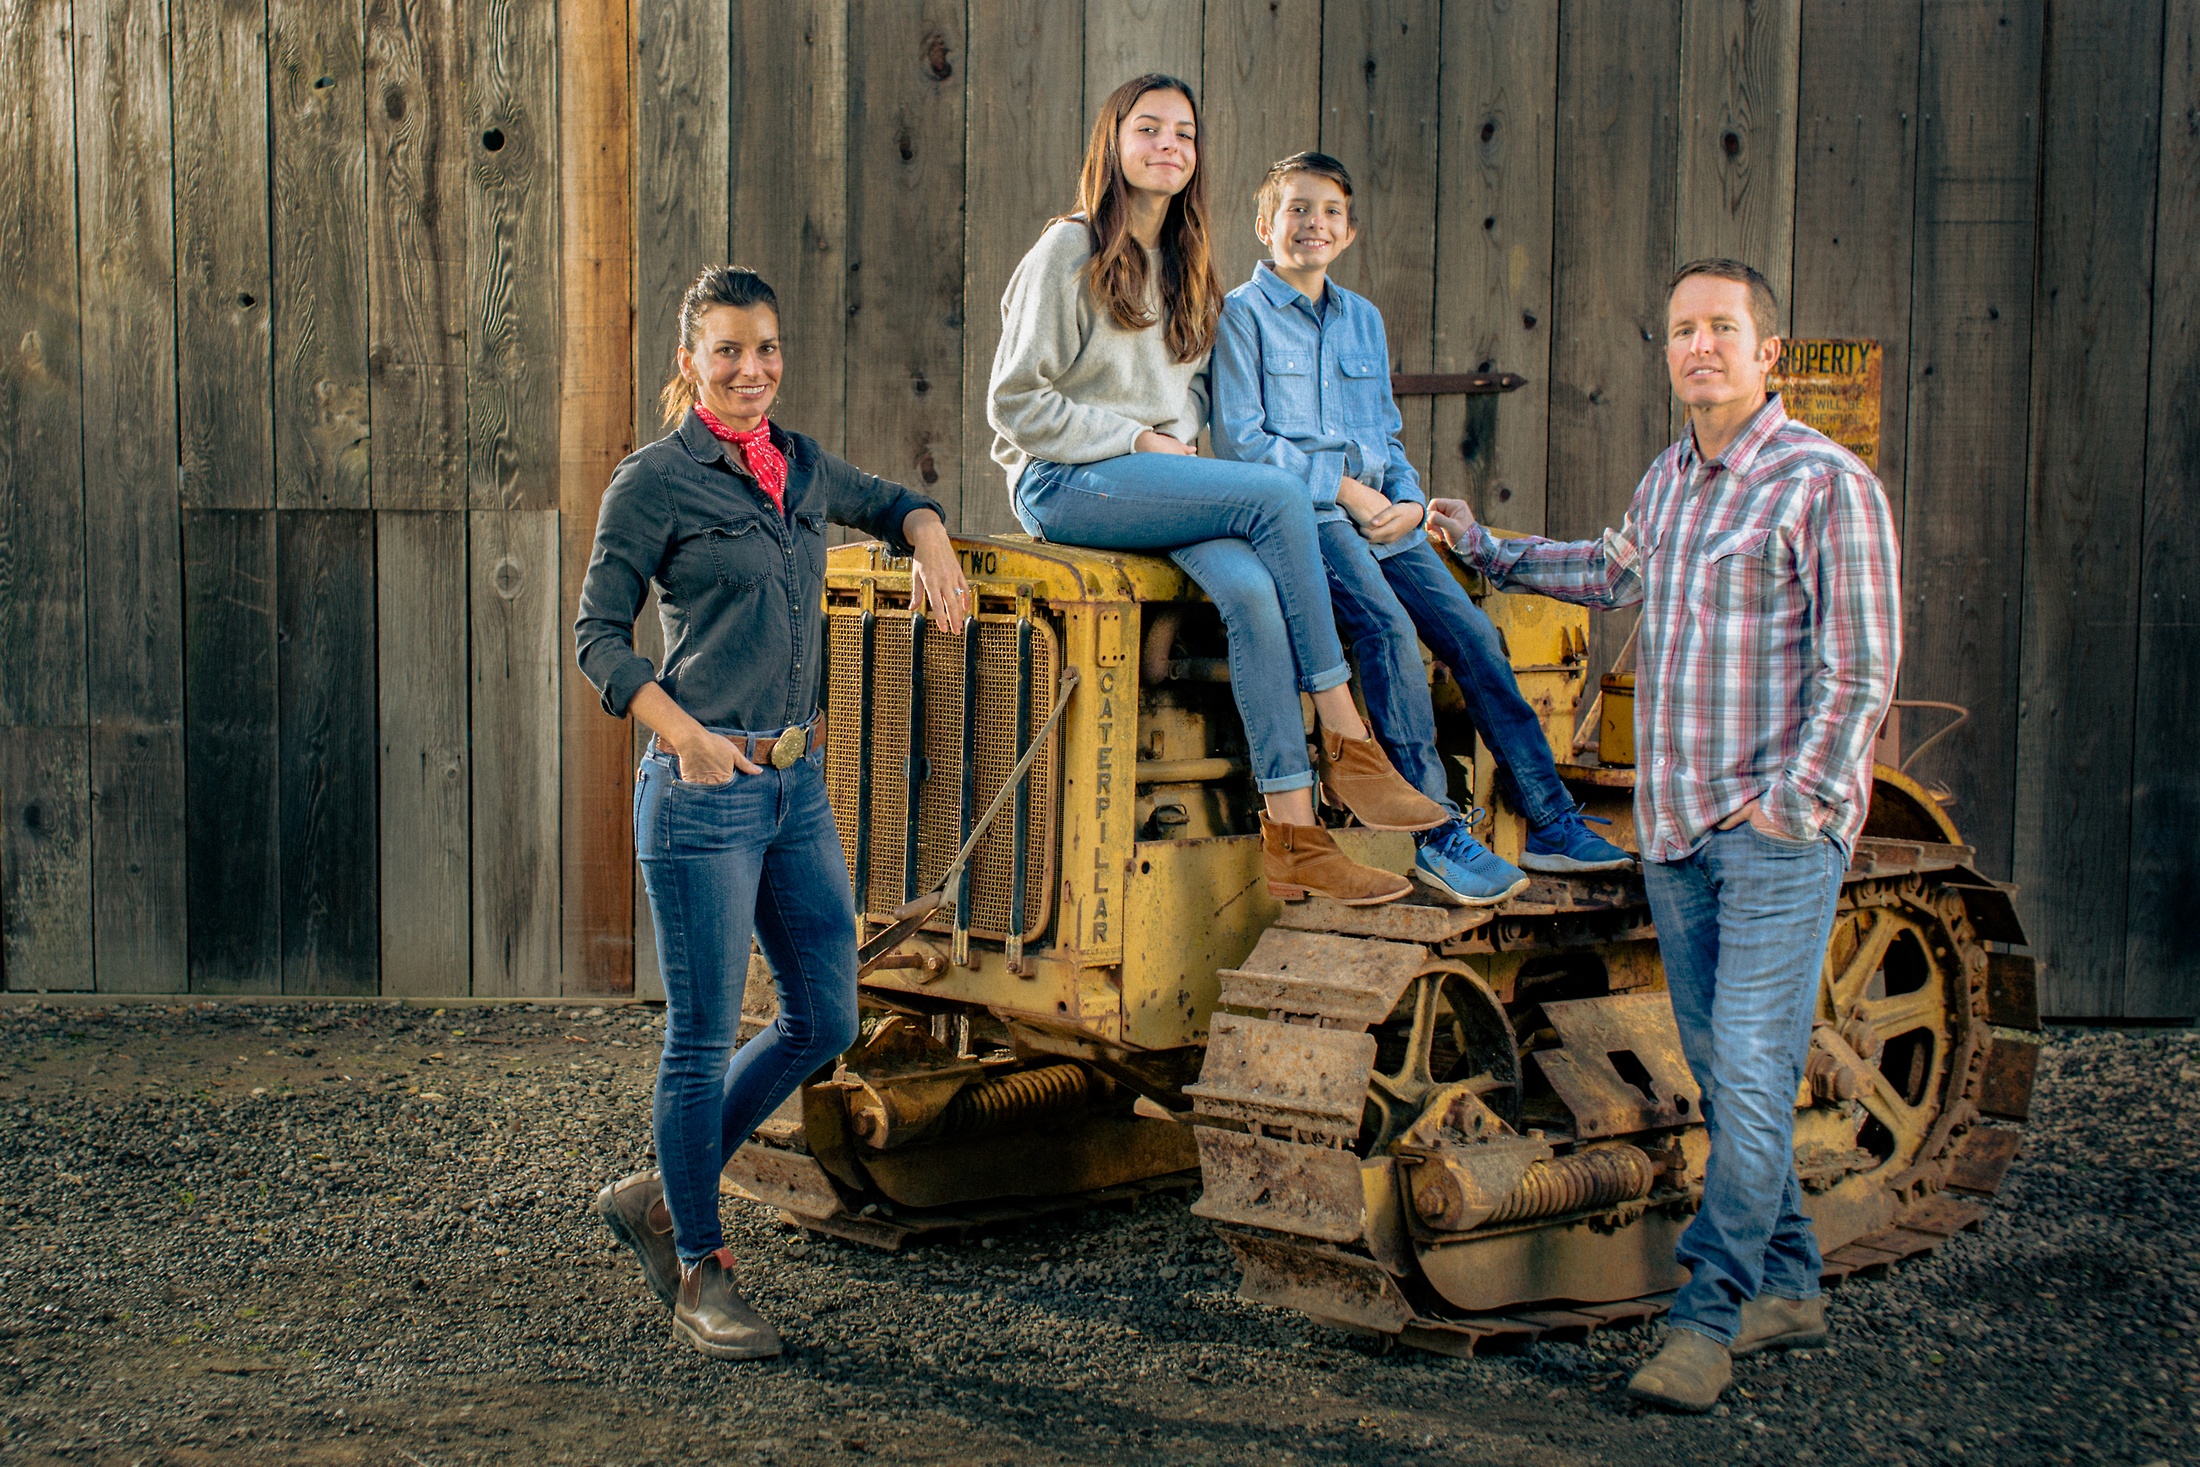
x=740 y=587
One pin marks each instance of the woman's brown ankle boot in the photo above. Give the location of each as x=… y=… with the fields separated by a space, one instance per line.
x=1358 y=775
x=1302 y=860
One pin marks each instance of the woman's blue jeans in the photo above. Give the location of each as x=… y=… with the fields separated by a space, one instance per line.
x=757 y=855
x=1245 y=533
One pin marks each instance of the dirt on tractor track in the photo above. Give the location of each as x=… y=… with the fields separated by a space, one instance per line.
x=362 y=1233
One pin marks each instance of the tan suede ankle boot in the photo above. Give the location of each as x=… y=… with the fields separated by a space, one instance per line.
x=1358 y=775
x=1299 y=860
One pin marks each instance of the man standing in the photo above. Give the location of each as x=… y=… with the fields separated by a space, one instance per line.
x=1764 y=558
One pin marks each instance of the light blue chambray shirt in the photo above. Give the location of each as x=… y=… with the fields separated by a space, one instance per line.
x=1310 y=393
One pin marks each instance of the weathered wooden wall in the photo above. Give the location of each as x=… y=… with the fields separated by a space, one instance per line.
x=391 y=285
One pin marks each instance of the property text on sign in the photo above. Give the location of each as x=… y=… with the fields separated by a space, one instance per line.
x=1834 y=387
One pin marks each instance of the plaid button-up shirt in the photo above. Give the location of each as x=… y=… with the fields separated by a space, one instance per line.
x=1771 y=629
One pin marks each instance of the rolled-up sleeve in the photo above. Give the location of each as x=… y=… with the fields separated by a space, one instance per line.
x=633 y=527
x=866 y=502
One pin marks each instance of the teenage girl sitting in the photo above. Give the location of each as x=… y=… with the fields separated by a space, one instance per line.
x=1098 y=391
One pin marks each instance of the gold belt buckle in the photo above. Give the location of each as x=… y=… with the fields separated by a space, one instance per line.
x=789 y=748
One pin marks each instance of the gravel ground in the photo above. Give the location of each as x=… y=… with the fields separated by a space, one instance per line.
x=361 y=1233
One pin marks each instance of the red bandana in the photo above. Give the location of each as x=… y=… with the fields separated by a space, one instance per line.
x=765 y=459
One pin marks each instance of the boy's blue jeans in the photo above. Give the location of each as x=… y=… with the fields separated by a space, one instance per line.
x=1245 y=533
x=1382 y=604
x=758 y=855
x=1743 y=922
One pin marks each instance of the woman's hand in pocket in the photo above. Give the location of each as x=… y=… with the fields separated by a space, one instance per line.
x=709 y=758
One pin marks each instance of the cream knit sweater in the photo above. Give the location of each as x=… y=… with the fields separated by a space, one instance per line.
x=1069 y=385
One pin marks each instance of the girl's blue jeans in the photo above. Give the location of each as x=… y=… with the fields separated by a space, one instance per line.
x=1245 y=533
x=755 y=856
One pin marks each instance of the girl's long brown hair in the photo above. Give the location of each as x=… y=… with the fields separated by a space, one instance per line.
x=1191 y=293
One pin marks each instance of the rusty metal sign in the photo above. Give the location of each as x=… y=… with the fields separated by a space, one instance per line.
x=1834 y=387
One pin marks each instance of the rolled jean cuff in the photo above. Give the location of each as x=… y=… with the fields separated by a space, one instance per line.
x=1723 y=1341
x=1322 y=682
x=1285 y=783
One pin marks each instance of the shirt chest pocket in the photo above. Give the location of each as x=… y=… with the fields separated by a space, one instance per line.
x=1288 y=391
x=1366 y=389
x=810 y=530
x=743 y=552
x=1738 y=573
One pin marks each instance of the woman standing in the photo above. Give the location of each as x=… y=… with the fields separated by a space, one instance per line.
x=726 y=518
x=1098 y=390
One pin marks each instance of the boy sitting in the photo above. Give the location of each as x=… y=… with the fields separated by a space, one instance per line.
x=1301 y=380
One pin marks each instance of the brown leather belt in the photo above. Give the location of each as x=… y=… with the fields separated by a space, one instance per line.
x=782 y=750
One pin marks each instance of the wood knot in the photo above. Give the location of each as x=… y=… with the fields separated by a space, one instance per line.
x=935 y=58
x=510 y=578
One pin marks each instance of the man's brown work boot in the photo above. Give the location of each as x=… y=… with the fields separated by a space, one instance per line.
x=1358 y=775
x=711 y=1315
x=1302 y=859
x=1770 y=1322
x=634 y=1209
x=1689 y=1374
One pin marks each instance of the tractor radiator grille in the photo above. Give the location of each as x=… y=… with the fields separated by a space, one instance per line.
x=874 y=831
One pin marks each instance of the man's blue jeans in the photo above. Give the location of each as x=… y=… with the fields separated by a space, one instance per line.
x=1245 y=533
x=1382 y=604
x=758 y=855
x=1743 y=922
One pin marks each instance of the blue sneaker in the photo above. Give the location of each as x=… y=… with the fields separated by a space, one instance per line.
x=1462 y=869
x=1568 y=845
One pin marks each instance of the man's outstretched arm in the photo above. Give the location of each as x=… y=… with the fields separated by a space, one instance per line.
x=1605 y=572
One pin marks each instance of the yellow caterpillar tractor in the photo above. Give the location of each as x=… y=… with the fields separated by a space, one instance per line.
x=1457 y=1126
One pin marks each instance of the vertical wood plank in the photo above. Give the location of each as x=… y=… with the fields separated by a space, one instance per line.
x=1856 y=193
x=787 y=191
x=511 y=266
x=1127 y=38
x=596 y=430
x=905 y=231
x=2161 y=964
x=1619 y=75
x=415 y=87
x=232 y=739
x=325 y=674
x=420 y=601
x=1970 y=342
x=134 y=605
x=224 y=279
x=45 y=885
x=2083 y=530
x=1380 y=99
x=1739 y=76
x=1493 y=256
x=1261 y=101
x=680 y=177
x=1025 y=72
x=317 y=128
x=517 y=658
x=45 y=849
